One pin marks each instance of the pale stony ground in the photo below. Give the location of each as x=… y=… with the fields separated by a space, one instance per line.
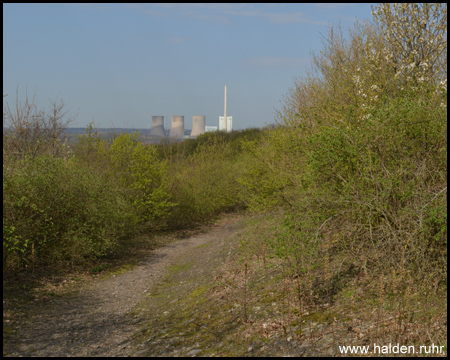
x=98 y=320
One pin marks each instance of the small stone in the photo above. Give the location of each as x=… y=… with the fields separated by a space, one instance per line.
x=23 y=347
x=250 y=348
x=194 y=352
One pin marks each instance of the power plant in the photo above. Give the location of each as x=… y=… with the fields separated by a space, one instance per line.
x=198 y=125
x=158 y=126
x=177 y=130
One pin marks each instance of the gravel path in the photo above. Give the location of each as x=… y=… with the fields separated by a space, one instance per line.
x=99 y=320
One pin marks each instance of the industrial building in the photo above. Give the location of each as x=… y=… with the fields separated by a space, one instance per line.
x=229 y=123
x=210 y=128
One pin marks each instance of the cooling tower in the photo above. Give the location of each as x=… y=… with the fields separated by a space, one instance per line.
x=158 y=126
x=177 y=129
x=198 y=125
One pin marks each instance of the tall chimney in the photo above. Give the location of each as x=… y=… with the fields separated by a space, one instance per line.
x=225 y=110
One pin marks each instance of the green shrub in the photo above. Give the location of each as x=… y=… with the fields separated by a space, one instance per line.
x=204 y=184
x=360 y=150
x=57 y=213
x=142 y=176
x=135 y=170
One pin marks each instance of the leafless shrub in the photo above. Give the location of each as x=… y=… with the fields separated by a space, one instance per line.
x=33 y=131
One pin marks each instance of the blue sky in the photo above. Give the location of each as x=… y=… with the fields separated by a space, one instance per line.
x=119 y=64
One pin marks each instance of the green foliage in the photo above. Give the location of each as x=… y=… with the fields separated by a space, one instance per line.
x=66 y=210
x=179 y=150
x=142 y=175
x=66 y=213
x=436 y=223
x=204 y=183
x=83 y=204
x=359 y=154
x=360 y=149
x=136 y=172
x=271 y=180
x=202 y=175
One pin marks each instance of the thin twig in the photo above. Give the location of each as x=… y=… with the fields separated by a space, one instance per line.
x=318 y=231
x=435 y=196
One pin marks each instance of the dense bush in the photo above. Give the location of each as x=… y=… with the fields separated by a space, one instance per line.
x=360 y=149
x=135 y=170
x=61 y=209
x=204 y=184
x=57 y=213
x=70 y=206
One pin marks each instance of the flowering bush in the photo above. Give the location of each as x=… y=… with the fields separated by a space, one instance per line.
x=363 y=136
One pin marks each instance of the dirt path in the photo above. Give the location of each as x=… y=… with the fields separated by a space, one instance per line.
x=102 y=318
